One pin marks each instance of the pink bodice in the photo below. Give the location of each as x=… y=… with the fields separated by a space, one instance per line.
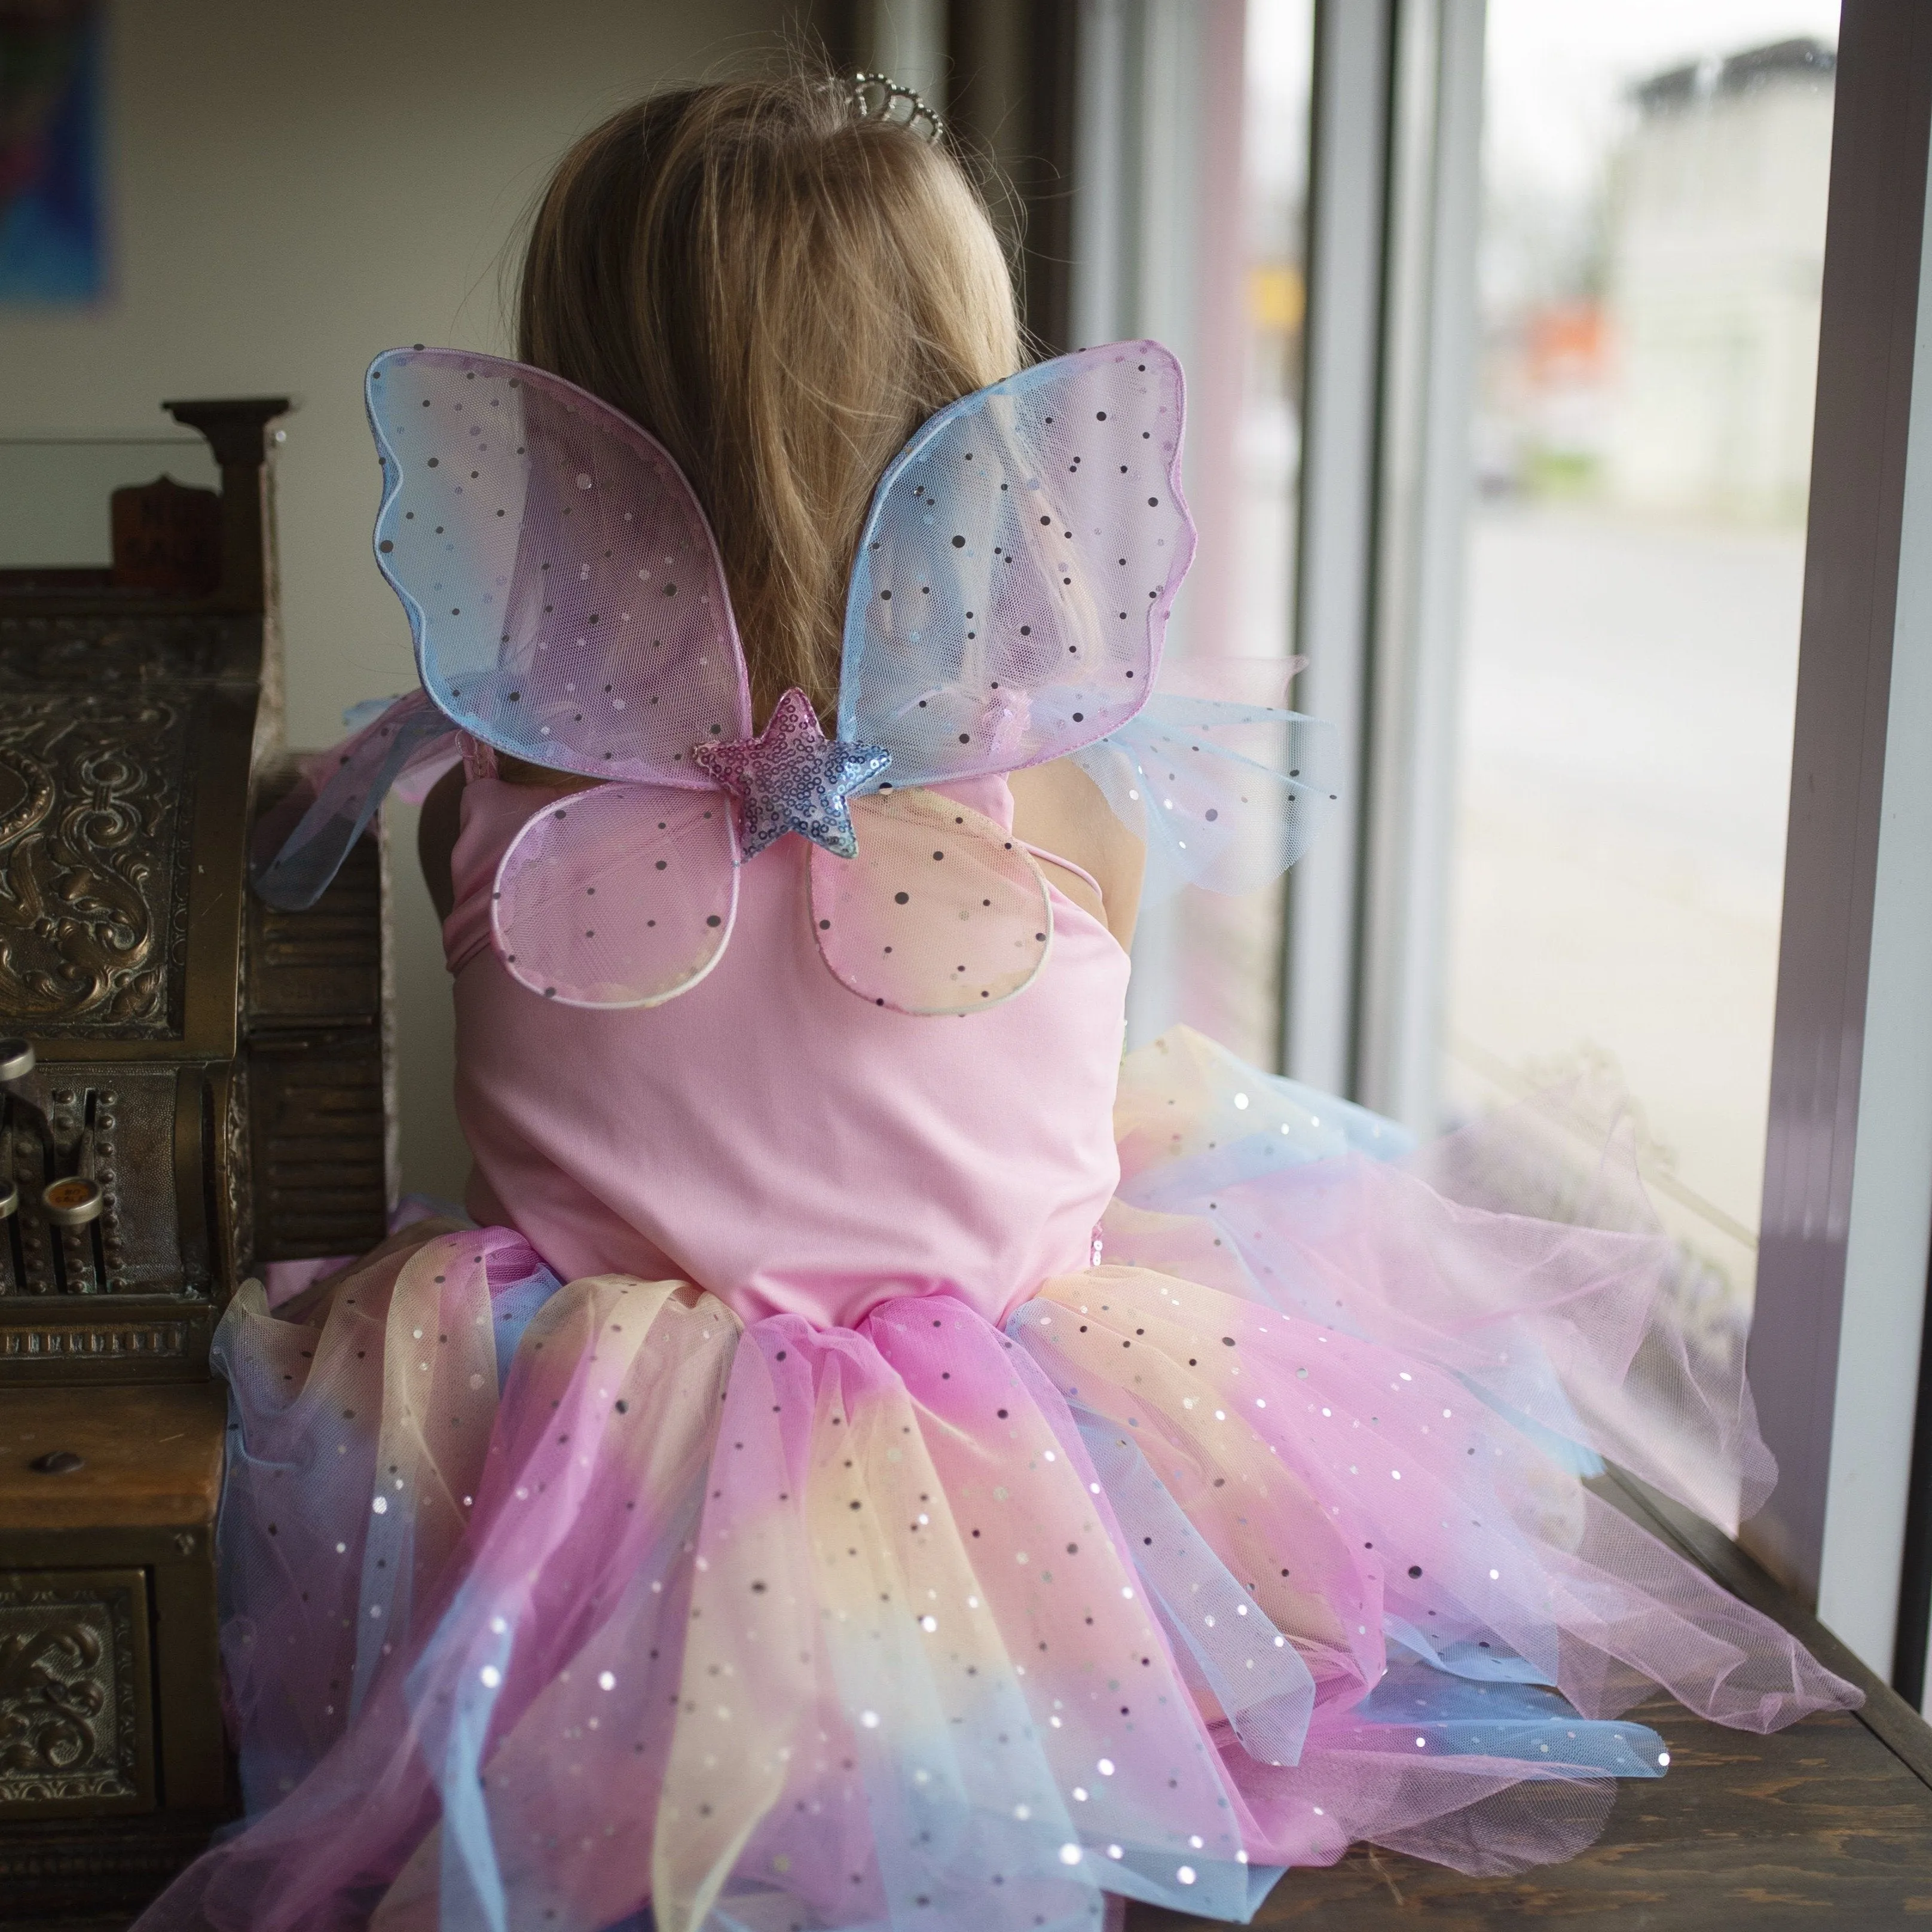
x=770 y=1136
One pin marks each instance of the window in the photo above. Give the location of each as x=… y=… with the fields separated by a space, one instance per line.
x=1651 y=238
x=1230 y=964
x=1191 y=181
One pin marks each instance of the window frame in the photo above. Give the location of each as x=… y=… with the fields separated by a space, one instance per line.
x=1838 y=1328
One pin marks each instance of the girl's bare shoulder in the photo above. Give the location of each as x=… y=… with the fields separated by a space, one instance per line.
x=1059 y=810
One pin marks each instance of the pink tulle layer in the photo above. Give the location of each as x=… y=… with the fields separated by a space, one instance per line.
x=555 y=1605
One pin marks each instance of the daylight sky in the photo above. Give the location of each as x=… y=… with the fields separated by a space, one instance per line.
x=1558 y=73
x=1559 y=70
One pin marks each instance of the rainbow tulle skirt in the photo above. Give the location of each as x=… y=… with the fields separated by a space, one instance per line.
x=557 y=1607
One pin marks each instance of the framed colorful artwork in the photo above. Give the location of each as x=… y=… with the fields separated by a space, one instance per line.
x=52 y=246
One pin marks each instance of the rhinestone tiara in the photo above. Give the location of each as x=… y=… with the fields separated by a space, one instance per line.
x=878 y=97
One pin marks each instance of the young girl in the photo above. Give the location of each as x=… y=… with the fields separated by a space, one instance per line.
x=877 y=1458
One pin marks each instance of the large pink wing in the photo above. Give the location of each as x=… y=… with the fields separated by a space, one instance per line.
x=561 y=581
x=623 y=896
x=943 y=910
x=1011 y=593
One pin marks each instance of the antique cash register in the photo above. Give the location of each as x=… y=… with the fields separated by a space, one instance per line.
x=191 y=1085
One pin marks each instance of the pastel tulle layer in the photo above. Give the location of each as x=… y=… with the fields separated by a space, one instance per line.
x=550 y=1604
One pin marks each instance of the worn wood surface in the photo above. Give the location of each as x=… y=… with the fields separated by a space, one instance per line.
x=151 y=1456
x=1820 y=1826
x=1827 y=1825
x=123 y=1869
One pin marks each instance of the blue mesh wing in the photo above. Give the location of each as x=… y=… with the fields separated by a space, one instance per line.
x=562 y=586
x=1225 y=794
x=300 y=844
x=1014 y=580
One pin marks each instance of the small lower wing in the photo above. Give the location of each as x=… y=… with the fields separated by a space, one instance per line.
x=943 y=911
x=623 y=896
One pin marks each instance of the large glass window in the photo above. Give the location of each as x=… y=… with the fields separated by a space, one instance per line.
x=1212 y=961
x=1652 y=239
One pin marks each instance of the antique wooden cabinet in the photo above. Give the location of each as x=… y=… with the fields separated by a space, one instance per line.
x=191 y=1086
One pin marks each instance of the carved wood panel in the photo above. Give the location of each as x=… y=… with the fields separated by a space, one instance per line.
x=102 y=653
x=95 y=802
x=76 y=1729
x=320 y=1134
x=322 y=1115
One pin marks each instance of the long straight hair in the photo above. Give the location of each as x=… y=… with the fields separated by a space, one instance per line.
x=780 y=292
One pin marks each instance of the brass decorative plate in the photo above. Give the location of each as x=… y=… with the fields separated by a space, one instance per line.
x=76 y=1730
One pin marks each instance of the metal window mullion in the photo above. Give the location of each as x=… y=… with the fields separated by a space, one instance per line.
x=1141 y=90
x=1384 y=495
x=1417 y=638
x=1105 y=195
x=1341 y=379
x=1862 y=1579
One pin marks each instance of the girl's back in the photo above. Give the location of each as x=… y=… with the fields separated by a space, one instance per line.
x=772 y=1138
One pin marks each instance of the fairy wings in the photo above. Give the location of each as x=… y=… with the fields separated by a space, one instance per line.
x=1007 y=607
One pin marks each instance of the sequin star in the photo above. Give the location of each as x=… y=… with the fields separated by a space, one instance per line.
x=792 y=777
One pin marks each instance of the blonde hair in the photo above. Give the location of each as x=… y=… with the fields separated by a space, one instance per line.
x=780 y=292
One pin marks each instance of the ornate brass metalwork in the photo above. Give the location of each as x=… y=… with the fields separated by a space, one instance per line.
x=75 y=1723
x=74 y=650
x=166 y=1344
x=211 y=1078
x=128 y=719
x=95 y=794
x=106 y=723
x=214 y=1075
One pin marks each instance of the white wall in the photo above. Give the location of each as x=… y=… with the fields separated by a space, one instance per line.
x=296 y=185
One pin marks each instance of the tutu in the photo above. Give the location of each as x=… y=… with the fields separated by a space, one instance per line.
x=546 y=1603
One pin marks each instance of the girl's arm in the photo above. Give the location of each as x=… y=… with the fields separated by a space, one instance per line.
x=436 y=838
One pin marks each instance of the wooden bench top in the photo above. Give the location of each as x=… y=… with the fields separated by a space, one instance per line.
x=151 y=1456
